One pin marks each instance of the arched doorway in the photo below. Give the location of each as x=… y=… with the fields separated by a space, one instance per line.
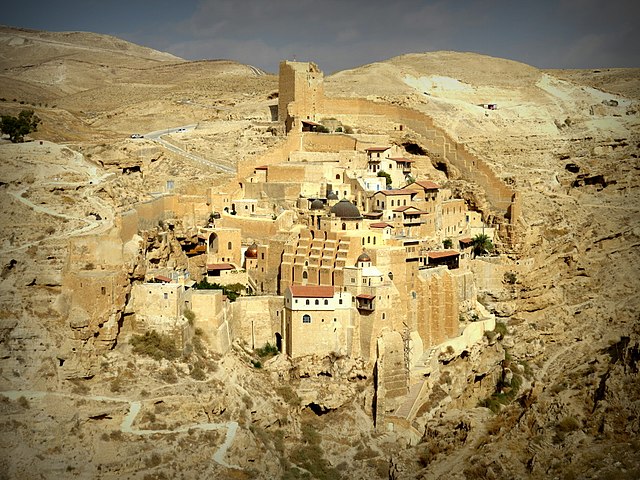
x=213 y=243
x=279 y=342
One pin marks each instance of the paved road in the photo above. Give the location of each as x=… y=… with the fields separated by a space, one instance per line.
x=157 y=137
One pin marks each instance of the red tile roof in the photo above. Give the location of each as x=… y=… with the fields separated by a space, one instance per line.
x=466 y=240
x=403 y=208
x=311 y=291
x=376 y=149
x=220 y=266
x=380 y=225
x=262 y=167
x=365 y=296
x=162 y=278
x=394 y=192
x=443 y=254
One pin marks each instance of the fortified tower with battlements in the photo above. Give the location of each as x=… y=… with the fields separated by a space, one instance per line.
x=301 y=93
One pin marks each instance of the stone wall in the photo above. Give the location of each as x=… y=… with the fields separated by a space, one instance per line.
x=322 y=142
x=392 y=377
x=191 y=210
x=257 y=320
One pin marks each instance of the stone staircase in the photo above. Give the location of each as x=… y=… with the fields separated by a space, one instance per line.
x=406 y=410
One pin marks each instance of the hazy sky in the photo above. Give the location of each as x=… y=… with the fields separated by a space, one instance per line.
x=347 y=33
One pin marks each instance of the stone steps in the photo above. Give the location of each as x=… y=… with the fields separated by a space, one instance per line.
x=404 y=410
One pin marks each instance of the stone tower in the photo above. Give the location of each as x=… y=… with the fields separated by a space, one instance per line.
x=301 y=93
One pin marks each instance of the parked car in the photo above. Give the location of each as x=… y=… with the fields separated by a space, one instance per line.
x=137 y=135
x=180 y=130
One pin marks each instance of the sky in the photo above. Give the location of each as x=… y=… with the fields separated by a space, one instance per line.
x=343 y=34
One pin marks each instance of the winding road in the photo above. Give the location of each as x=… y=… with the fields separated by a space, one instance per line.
x=157 y=137
x=134 y=409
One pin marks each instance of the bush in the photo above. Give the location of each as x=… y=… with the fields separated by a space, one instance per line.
x=155 y=345
x=568 y=424
x=267 y=351
x=510 y=278
x=189 y=315
x=447 y=243
x=198 y=373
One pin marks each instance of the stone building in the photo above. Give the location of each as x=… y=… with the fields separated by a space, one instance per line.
x=301 y=93
x=317 y=320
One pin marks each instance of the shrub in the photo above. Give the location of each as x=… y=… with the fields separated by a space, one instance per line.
x=568 y=424
x=501 y=328
x=288 y=395
x=189 y=315
x=447 y=243
x=155 y=345
x=267 y=351
x=510 y=278
x=168 y=375
x=256 y=363
x=198 y=373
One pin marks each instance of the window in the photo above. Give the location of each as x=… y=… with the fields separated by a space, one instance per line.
x=166 y=296
x=306 y=318
x=229 y=246
x=307 y=302
x=317 y=302
x=103 y=290
x=340 y=300
x=326 y=302
x=344 y=226
x=304 y=275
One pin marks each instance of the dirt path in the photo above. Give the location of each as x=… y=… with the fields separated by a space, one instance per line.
x=134 y=409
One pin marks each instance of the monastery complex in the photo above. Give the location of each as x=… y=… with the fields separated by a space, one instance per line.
x=335 y=240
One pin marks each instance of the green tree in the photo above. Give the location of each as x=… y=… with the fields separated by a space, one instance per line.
x=384 y=174
x=447 y=243
x=482 y=244
x=17 y=127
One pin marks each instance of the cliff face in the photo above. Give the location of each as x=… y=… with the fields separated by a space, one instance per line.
x=571 y=152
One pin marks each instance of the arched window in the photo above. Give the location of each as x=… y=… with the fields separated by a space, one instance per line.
x=229 y=246
x=317 y=302
x=338 y=176
x=307 y=302
x=344 y=226
x=306 y=318
x=304 y=275
x=326 y=302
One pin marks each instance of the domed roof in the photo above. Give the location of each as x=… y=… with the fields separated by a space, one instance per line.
x=332 y=196
x=364 y=257
x=346 y=210
x=317 y=204
x=252 y=251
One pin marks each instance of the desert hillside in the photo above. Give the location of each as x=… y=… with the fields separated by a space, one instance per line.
x=567 y=141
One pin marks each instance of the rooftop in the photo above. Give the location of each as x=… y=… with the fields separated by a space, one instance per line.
x=443 y=254
x=311 y=291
